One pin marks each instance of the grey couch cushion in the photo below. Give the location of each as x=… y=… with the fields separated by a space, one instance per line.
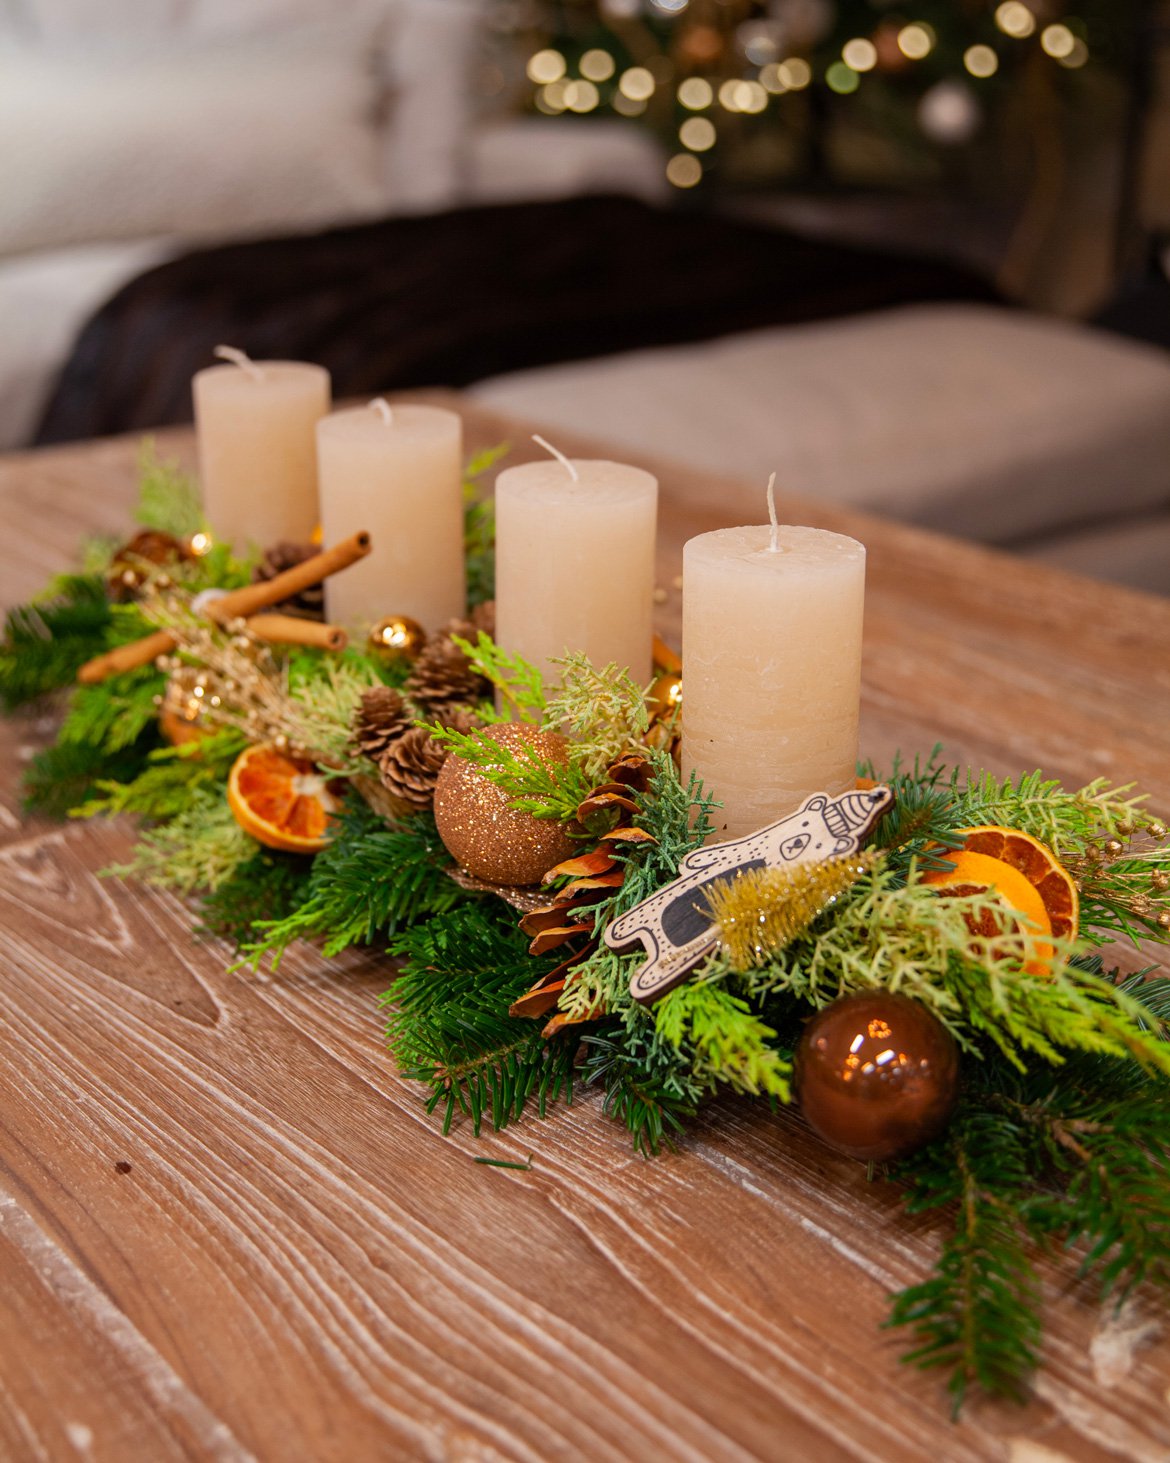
x=967 y=418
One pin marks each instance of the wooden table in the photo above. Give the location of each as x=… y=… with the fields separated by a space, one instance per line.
x=229 y=1230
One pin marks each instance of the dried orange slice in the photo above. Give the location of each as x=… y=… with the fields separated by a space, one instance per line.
x=282 y=801
x=1026 y=875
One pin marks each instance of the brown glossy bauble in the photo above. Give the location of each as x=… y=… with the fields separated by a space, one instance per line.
x=397 y=639
x=664 y=698
x=482 y=832
x=876 y=1075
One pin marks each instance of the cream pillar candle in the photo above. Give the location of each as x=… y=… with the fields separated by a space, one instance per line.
x=771 y=668
x=575 y=563
x=398 y=472
x=257 y=457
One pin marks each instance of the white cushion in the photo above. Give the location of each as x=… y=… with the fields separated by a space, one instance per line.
x=971 y=419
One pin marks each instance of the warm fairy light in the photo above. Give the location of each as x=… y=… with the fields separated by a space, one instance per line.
x=771 y=80
x=1077 y=56
x=859 y=54
x=684 y=170
x=981 y=61
x=199 y=544
x=546 y=66
x=842 y=79
x=597 y=65
x=550 y=99
x=1058 y=41
x=729 y=96
x=1015 y=19
x=916 y=41
x=581 y=96
x=795 y=73
x=637 y=83
x=627 y=107
x=751 y=97
x=697 y=133
x=696 y=93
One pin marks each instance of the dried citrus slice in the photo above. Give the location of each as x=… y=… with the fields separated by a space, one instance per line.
x=282 y=801
x=1025 y=874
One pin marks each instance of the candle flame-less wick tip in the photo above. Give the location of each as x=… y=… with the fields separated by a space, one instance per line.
x=239 y=358
x=560 y=457
x=382 y=406
x=774 y=540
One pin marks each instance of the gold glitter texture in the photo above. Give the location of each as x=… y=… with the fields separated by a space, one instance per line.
x=482 y=832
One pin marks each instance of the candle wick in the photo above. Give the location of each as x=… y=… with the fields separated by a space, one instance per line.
x=382 y=407
x=560 y=457
x=774 y=542
x=239 y=358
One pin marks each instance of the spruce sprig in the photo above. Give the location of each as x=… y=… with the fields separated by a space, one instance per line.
x=171 y=778
x=544 y=789
x=603 y=713
x=47 y=642
x=198 y=850
x=448 y=1024
x=723 y=1040
x=519 y=683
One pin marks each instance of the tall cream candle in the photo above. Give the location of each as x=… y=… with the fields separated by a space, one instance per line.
x=398 y=472
x=257 y=457
x=771 y=668
x=575 y=563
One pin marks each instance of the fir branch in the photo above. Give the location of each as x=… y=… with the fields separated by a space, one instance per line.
x=602 y=712
x=479 y=526
x=113 y=714
x=269 y=886
x=1042 y=807
x=168 y=498
x=448 y=1024
x=61 y=777
x=978 y=1315
x=47 y=642
x=172 y=776
x=653 y=1097
x=369 y=882
x=200 y=849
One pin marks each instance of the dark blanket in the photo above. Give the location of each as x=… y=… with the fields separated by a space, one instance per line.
x=448 y=299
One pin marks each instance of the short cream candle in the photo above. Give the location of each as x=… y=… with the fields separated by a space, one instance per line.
x=255 y=423
x=575 y=563
x=771 y=668
x=396 y=471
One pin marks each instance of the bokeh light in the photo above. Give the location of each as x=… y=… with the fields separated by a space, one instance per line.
x=842 y=79
x=546 y=66
x=981 y=61
x=1015 y=19
x=859 y=54
x=581 y=96
x=1058 y=41
x=697 y=133
x=916 y=41
x=637 y=83
x=684 y=170
x=696 y=93
x=597 y=65
x=795 y=73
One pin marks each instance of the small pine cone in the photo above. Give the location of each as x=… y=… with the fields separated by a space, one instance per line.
x=410 y=767
x=443 y=677
x=285 y=555
x=381 y=718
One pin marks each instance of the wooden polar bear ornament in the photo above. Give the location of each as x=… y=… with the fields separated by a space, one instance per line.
x=675 y=924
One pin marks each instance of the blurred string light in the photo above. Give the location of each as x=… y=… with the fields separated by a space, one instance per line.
x=771 y=80
x=670 y=7
x=795 y=73
x=859 y=54
x=742 y=96
x=546 y=67
x=637 y=83
x=626 y=106
x=684 y=170
x=981 y=61
x=597 y=65
x=1077 y=56
x=1058 y=41
x=698 y=133
x=916 y=41
x=581 y=96
x=1015 y=19
x=550 y=99
x=842 y=78
x=695 y=93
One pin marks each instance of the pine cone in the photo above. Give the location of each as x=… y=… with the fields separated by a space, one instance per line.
x=126 y=574
x=410 y=767
x=381 y=718
x=482 y=617
x=443 y=679
x=285 y=555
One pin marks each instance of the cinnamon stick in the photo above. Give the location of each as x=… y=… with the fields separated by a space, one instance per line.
x=235 y=604
x=292 y=630
x=244 y=602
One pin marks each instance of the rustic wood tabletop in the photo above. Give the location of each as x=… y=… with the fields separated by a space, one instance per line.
x=229 y=1230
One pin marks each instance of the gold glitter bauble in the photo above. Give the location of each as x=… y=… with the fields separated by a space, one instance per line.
x=665 y=695
x=482 y=832
x=397 y=638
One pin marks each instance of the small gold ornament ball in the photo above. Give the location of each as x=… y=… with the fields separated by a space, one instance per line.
x=397 y=638
x=665 y=696
x=482 y=832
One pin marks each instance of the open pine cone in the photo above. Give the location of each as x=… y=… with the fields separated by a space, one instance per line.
x=410 y=767
x=381 y=718
x=443 y=679
x=310 y=602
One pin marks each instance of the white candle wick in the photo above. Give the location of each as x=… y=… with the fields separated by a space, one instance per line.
x=239 y=358
x=560 y=457
x=774 y=542
x=382 y=407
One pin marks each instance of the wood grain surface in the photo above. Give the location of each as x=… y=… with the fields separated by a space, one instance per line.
x=228 y=1230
